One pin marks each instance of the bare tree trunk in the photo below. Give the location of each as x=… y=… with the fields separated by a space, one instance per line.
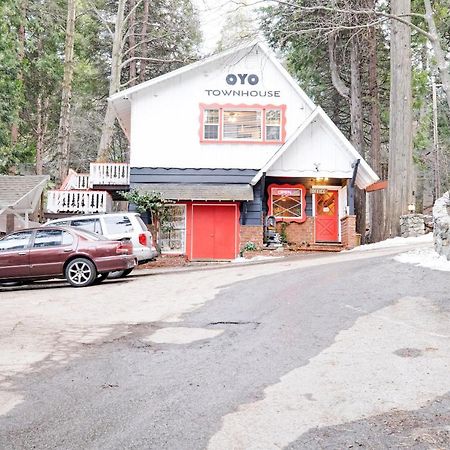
x=64 y=118
x=39 y=140
x=436 y=159
x=441 y=62
x=20 y=55
x=338 y=83
x=375 y=198
x=357 y=130
x=41 y=131
x=399 y=193
x=132 y=44
x=114 y=84
x=144 y=46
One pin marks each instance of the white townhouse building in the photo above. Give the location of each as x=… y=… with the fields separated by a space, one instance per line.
x=233 y=140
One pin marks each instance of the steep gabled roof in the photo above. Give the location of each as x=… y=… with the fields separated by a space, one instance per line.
x=21 y=193
x=365 y=175
x=120 y=100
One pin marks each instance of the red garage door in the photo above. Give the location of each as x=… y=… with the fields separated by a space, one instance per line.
x=214 y=229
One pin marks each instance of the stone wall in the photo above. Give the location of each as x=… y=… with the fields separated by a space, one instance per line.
x=251 y=233
x=415 y=225
x=441 y=220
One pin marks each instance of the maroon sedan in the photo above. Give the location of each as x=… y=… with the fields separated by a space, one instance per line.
x=61 y=252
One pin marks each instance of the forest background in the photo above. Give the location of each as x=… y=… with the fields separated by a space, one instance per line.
x=378 y=68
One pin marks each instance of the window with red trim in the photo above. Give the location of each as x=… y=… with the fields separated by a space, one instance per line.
x=287 y=202
x=242 y=123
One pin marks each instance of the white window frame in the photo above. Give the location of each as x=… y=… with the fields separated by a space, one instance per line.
x=181 y=251
x=279 y=126
x=212 y=124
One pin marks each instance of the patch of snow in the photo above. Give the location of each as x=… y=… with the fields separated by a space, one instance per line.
x=395 y=242
x=425 y=257
x=240 y=259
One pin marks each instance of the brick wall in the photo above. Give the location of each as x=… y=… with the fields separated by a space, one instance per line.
x=348 y=231
x=298 y=233
x=251 y=233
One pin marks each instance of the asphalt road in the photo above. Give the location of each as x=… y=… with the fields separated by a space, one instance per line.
x=332 y=352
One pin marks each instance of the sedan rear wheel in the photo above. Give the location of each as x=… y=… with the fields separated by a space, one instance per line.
x=81 y=272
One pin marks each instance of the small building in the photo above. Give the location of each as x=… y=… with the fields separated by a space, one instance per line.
x=233 y=140
x=20 y=198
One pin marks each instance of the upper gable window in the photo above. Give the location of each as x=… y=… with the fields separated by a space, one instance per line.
x=241 y=123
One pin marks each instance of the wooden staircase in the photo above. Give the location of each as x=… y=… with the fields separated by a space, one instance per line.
x=90 y=193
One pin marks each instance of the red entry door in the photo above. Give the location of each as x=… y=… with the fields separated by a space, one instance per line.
x=214 y=231
x=327 y=217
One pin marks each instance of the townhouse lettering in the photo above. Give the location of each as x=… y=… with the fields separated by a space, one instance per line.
x=241 y=93
x=242 y=79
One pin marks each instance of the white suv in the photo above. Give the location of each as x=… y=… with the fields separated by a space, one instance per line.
x=116 y=226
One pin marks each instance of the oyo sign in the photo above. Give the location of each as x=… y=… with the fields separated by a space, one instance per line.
x=243 y=78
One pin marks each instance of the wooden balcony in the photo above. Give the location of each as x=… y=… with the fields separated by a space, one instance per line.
x=109 y=175
x=78 y=201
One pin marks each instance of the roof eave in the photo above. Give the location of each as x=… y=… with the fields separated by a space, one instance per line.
x=182 y=70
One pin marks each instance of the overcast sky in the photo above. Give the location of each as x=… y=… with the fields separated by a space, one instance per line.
x=213 y=14
x=212 y=17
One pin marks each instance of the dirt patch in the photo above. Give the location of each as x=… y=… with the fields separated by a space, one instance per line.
x=166 y=261
x=182 y=261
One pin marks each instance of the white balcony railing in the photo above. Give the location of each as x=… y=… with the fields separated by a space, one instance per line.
x=109 y=174
x=78 y=202
x=82 y=181
x=75 y=181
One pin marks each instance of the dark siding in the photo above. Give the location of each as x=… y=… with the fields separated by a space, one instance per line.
x=172 y=175
x=309 y=212
x=251 y=212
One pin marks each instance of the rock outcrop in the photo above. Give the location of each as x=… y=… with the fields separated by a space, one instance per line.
x=441 y=220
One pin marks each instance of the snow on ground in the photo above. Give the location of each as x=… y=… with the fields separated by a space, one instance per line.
x=395 y=242
x=425 y=257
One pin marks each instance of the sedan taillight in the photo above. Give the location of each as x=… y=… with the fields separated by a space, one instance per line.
x=123 y=249
x=143 y=239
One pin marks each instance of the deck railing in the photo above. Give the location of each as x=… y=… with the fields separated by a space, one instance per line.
x=78 y=201
x=109 y=174
x=82 y=181
x=75 y=181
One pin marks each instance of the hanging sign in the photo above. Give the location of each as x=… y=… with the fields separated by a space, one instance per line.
x=286 y=192
x=318 y=191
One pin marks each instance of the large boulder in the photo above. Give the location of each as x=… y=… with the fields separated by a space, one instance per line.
x=441 y=220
